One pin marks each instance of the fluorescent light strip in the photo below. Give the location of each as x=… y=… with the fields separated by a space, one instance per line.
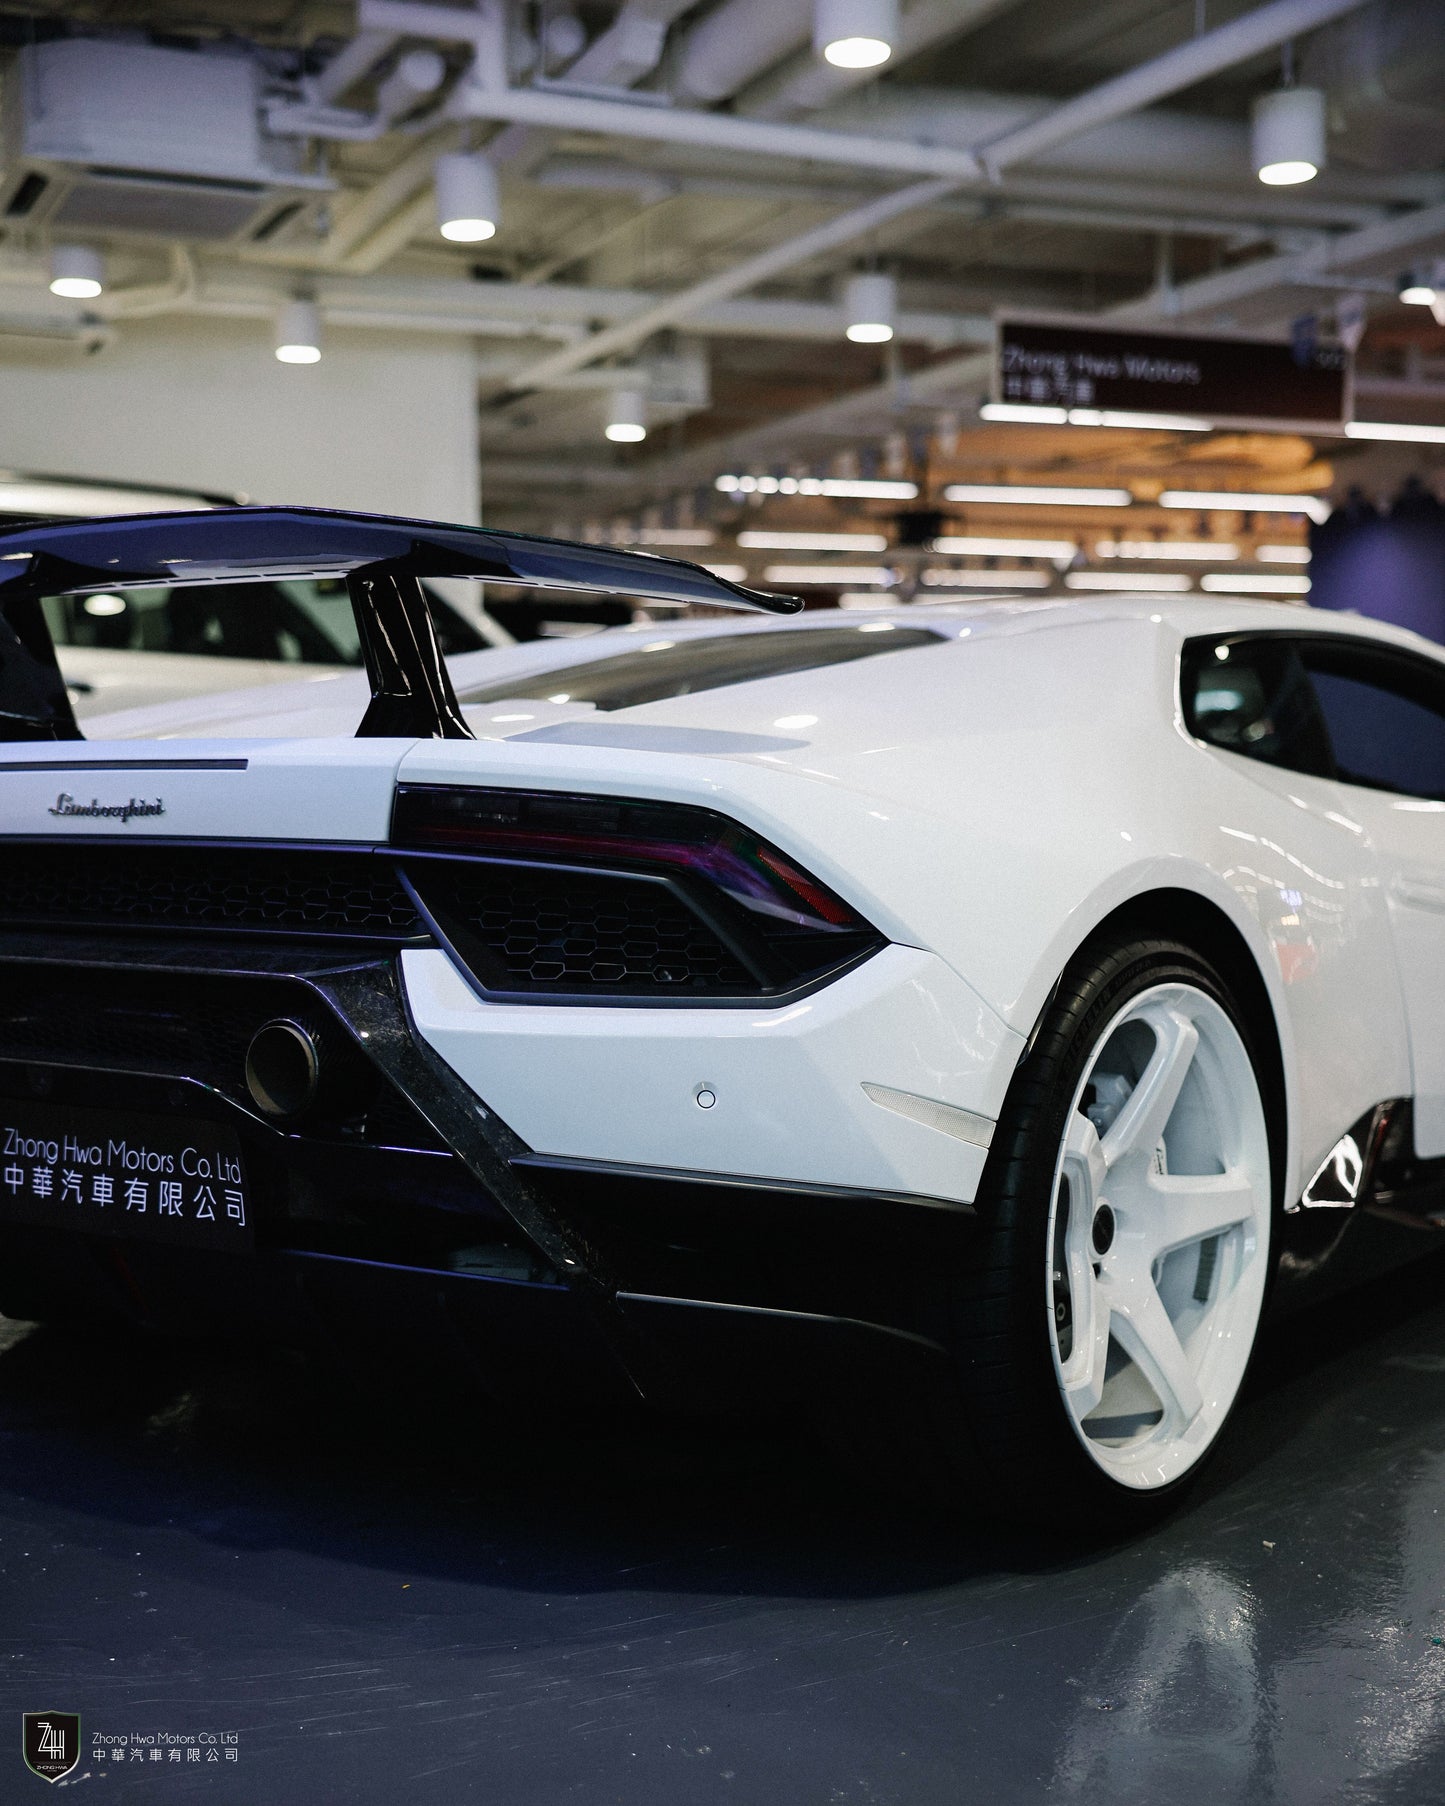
x=882 y=489
x=730 y=573
x=1023 y=413
x=1282 y=554
x=987 y=580
x=761 y=541
x=1208 y=549
x=1027 y=414
x=672 y=536
x=1242 y=583
x=1395 y=429
x=1240 y=501
x=1150 y=423
x=972 y=546
x=1150 y=582
x=1032 y=493
x=853 y=575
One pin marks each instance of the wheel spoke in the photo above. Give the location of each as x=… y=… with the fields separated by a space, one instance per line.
x=1084 y=1167
x=1143 y=1330
x=1137 y=1129
x=1083 y=1377
x=1188 y=1209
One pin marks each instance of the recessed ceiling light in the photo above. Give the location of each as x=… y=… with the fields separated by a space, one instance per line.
x=1151 y=582
x=764 y=541
x=1403 y=430
x=1043 y=495
x=846 y=574
x=1241 y=583
x=973 y=545
x=1207 y=549
x=1240 y=501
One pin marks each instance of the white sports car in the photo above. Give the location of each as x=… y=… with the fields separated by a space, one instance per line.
x=967 y=1020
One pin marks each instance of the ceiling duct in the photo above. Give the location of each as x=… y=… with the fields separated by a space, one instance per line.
x=1384 y=71
x=138 y=139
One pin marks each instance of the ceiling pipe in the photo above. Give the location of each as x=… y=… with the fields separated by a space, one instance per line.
x=712 y=131
x=503 y=309
x=350 y=65
x=1125 y=206
x=1201 y=56
x=736 y=42
x=620 y=57
x=484 y=98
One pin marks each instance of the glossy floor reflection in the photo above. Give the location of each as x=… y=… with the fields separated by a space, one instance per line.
x=416 y=1604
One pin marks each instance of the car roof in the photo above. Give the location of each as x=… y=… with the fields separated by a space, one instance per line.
x=1185 y=615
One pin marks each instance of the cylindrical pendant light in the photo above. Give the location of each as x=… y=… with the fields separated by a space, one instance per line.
x=298 y=333
x=870 y=303
x=76 y=273
x=855 y=34
x=627 y=417
x=1288 y=136
x=468 y=203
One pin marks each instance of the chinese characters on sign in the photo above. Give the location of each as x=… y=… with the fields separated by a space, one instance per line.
x=155 y=1177
x=165 y=1746
x=1224 y=380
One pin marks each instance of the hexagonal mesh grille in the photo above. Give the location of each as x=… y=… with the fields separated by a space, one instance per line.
x=302 y=892
x=586 y=931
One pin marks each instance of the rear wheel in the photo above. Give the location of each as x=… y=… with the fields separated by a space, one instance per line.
x=1104 y=1328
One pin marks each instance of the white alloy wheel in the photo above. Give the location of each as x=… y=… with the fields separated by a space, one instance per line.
x=1159 y=1235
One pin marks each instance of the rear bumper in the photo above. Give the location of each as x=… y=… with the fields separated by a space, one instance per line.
x=533 y=1271
x=888 y=1079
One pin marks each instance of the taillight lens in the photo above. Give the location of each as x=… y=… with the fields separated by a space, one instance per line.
x=609 y=896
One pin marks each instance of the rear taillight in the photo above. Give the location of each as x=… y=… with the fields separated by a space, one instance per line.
x=609 y=897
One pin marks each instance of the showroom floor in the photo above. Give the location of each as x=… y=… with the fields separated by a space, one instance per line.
x=405 y=1604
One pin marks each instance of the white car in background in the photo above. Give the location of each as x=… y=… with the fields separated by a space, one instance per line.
x=969 y=1021
x=158 y=644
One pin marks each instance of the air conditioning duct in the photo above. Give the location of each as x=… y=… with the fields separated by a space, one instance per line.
x=102 y=137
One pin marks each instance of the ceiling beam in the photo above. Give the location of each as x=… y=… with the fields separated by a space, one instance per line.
x=1201 y=56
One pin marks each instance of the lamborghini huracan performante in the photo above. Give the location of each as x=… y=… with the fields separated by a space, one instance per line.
x=965 y=1022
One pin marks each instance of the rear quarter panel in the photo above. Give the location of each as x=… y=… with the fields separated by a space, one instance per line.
x=994 y=799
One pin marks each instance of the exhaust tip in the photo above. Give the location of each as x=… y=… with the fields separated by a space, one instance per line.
x=283 y=1069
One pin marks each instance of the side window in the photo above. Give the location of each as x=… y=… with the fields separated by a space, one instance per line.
x=1385 y=713
x=1254 y=697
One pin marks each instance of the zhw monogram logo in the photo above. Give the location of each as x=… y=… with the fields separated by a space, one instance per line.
x=52 y=1743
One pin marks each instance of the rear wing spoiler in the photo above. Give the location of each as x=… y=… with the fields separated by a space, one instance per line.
x=381 y=559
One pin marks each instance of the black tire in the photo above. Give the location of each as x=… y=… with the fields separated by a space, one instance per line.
x=1003 y=1438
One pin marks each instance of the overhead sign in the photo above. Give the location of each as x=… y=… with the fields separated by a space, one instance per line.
x=1227 y=381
